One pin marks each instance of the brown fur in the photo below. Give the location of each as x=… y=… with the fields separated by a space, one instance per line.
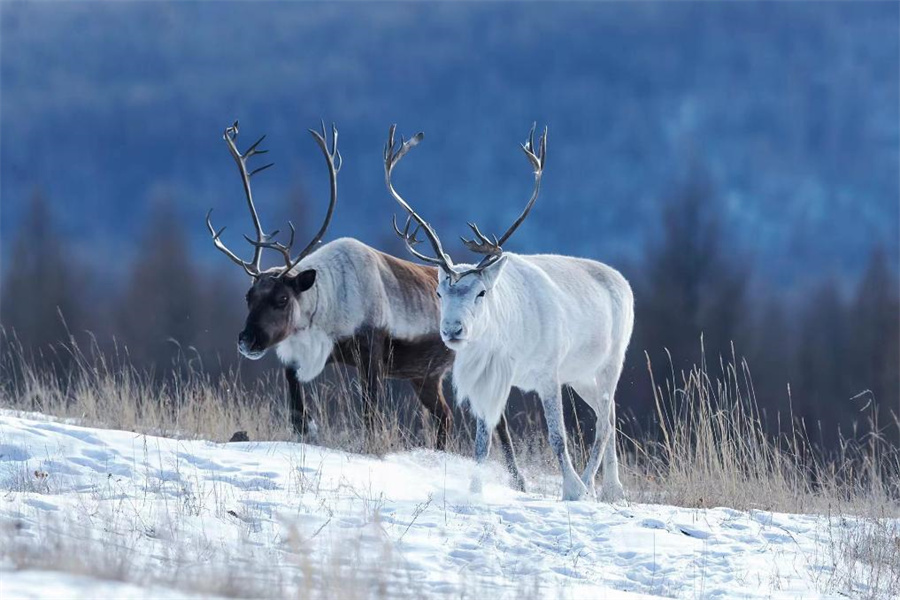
x=411 y=279
x=423 y=362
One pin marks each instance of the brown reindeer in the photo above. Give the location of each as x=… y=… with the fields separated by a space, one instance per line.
x=344 y=302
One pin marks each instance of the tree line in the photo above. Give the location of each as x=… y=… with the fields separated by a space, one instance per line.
x=826 y=354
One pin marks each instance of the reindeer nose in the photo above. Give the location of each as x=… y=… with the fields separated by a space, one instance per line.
x=245 y=340
x=453 y=331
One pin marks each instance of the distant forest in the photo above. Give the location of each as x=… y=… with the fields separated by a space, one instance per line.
x=828 y=356
x=792 y=108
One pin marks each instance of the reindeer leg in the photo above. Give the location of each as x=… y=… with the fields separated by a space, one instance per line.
x=299 y=418
x=373 y=377
x=482 y=450
x=551 y=399
x=509 y=453
x=431 y=395
x=611 y=489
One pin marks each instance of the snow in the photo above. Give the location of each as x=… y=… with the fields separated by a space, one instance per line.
x=39 y=585
x=146 y=516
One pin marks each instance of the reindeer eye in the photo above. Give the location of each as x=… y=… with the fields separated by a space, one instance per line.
x=481 y=294
x=438 y=294
x=281 y=302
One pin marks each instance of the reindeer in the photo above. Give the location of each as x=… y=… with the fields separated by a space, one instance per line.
x=342 y=302
x=535 y=322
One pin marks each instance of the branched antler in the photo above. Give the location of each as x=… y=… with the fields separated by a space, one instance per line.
x=410 y=239
x=491 y=248
x=272 y=244
x=217 y=241
x=263 y=240
x=335 y=162
x=392 y=155
x=484 y=245
x=252 y=267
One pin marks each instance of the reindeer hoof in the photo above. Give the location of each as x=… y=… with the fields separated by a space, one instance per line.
x=574 y=490
x=308 y=433
x=612 y=494
x=519 y=484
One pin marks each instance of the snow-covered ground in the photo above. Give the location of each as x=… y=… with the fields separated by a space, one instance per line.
x=96 y=513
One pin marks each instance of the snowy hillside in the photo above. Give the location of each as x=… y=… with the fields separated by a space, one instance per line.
x=97 y=513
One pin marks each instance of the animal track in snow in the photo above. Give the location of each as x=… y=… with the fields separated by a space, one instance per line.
x=10 y=453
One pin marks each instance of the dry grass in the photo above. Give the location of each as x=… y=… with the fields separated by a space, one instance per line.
x=346 y=569
x=862 y=557
x=711 y=448
x=102 y=389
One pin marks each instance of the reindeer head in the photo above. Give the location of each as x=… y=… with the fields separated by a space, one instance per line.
x=278 y=299
x=464 y=289
x=276 y=308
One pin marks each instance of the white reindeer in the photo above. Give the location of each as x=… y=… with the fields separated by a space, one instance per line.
x=536 y=322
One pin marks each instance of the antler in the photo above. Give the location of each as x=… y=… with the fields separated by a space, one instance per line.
x=272 y=244
x=252 y=268
x=392 y=155
x=263 y=240
x=492 y=247
x=216 y=238
x=334 y=161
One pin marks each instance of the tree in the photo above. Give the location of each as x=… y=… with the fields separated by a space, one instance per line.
x=160 y=312
x=847 y=354
x=689 y=283
x=692 y=283
x=42 y=283
x=819 y=385
x=873 y=355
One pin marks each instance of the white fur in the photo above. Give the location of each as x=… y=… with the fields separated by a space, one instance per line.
x=544 y=321
x=354 y=288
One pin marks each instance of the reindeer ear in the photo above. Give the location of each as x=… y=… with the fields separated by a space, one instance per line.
x=491 y=273
x=303 y=281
